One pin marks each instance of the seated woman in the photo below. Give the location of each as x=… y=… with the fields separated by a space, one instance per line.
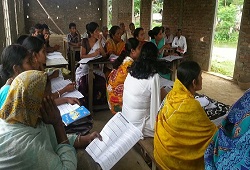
x=157 y=38
x=36 y=47
x=118 y=75
x=114 y=45
x=156 y=35
x=142 y=93
x=15 y=59
x=183 y=130
x=139 y=34
x=229 y=147
x=32 y=132
x=92 y=47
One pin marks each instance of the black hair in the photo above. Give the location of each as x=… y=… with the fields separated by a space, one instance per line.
x=12 y=55
x=131 y=44
x=131 y=24
x=72 y=25
x=41 y=37
x=179 y=30
x=39 y=26
x=91 y=27
x=167 y=28
x=45 y=26
x=33 y=44
x=155 y=31
x=136 y=32
x=104 y=28
x=113 y=30
x=32 y=30
x=21 y=38
x=147 y=64
x=187 y=72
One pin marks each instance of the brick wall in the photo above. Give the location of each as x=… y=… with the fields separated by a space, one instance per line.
x=122 y=11
x=196 y=19
x=2 y=33
x=146 y=15
x=78 y=11
x=242 y=63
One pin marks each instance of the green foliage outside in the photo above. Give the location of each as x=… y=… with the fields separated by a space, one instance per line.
x=225 y=67
x=227 y=23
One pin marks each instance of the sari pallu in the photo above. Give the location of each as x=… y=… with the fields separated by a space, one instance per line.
x=99 y=82
x=112 y=48
x=182 y=132
x=230 y=146
x=115 y=85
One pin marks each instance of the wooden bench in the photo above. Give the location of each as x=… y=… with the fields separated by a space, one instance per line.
x=147 y=145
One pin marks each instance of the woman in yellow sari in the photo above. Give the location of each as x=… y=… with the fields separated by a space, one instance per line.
x=183 y=130
x=115 y=45
x=118 y=75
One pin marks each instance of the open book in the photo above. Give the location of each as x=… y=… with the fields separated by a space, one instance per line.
x=72 y=113
x=119 y=136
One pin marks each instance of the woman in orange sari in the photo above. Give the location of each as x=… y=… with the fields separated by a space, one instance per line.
x=118 y=75
x=115 y=45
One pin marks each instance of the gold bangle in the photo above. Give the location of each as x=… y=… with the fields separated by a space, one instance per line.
x=65 y=141
x=59 y=95
x=78 y=138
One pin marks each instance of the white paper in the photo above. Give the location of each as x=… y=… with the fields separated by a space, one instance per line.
x=113 y=57
x=170 y=58
x=57 y=84
x=86 y=60
x=56 y=62
x=118 y=136
x=66 y=108
x=54 y=55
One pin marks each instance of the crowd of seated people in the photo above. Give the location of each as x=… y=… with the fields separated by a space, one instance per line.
x=182 y=129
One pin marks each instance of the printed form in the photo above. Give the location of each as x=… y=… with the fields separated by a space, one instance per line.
x=119 y=136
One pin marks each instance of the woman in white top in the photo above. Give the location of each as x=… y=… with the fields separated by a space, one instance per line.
x=92 y=47
x=142 y=93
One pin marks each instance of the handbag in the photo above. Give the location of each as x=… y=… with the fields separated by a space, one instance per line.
x=81 y=126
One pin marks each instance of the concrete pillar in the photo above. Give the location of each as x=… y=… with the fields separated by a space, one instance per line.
x=122 y=11
x=242 y=63
x=186 y=15
x=2 y=33
x=105 y=6
x=146 y=16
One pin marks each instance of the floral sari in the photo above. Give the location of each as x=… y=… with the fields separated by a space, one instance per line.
x=230 y=146
x=115 y=85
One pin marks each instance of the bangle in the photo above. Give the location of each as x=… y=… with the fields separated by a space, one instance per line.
x=65 y=141
x=78 y=138
x=59 y=95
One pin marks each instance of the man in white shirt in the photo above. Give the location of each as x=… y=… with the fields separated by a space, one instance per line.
x=169 y=37
x=130 y=32
x=180 y=43
x=123 y=32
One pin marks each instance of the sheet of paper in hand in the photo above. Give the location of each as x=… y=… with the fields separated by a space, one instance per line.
x=118 y=137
